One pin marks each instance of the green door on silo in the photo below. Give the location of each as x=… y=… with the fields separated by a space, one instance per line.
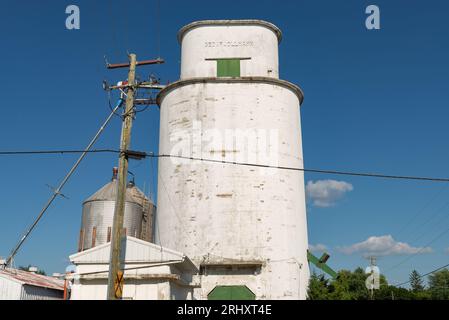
x=231 y=293
x=228 y=68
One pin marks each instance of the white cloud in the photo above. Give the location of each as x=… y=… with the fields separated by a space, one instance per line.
x=317 y=247
x=383 y=246
x=325 y=193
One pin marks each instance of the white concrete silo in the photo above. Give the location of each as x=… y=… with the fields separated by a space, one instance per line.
x=242 y=225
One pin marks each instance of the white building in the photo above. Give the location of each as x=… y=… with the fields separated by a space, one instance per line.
x=242 y=226
x=151 y=272
x=24 y=285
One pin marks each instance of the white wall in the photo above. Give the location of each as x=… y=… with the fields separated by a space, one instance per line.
x=256 y=42
x=136 y=289
x=40 y=293
x=233 y=211
x=9 y=289
x=133 y=289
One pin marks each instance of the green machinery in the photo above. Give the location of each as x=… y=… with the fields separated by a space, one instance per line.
x=321 y=263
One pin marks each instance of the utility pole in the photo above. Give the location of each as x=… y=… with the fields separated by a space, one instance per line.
x=116 y=273
x=372 y=264
x=116 y=264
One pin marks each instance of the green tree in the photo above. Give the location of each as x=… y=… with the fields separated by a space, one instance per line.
x=416 y=282
x=422 y=295
x=351 y=285
x=344 y=287
x=318 y=287
x=439 y=285
x=387 y=292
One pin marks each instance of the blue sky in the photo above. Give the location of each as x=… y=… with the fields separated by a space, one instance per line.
x=375 y=101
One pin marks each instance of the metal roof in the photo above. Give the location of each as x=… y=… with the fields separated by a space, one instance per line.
x=32 y=279
x=137 y=194
x=109 y=192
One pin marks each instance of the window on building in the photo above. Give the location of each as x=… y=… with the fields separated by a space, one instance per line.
x=228 y=67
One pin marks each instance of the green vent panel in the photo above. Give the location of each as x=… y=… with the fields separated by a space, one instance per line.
x=231 y=293
x=228 y=68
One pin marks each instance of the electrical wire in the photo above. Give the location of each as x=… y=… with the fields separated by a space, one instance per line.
x=58 y=190
x=36 y=152
x=439 y=222
x=332 y=172
x=420 y=250
x=144 y=108
x=421 y=236
x=421 y=210
x=422 y=276
x=110 y=106
x=152 y=155
x=321 y=171
x=346 y=173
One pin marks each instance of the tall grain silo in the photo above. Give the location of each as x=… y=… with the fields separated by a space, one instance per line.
x=244 y=226
x=98 y=213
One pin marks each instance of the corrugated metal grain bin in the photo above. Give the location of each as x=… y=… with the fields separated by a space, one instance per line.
x=98 y=214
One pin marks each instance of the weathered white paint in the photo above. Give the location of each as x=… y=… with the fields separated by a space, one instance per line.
x=225 y=213
x=151 y=273
x=10 y=289
x=254 y=39
x=40 y=293
x=157 y=289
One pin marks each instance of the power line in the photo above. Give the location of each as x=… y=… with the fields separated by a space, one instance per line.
x=436 y=214
x=321 y=171
x=422 y=276
x=421 y=236
x=422 y=210
x=420 y=250
x=346 y=173
x=58 y=190
x=57 y=151
x=372 y=175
